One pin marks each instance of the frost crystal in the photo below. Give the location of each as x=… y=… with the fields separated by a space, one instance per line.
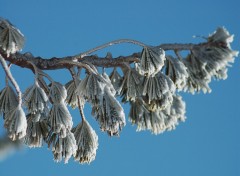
x=35 y=99
x=16 y=123
x=11 y=39
x=60 y=119
x=87 y=142
x=152 y=60
x=8 y=99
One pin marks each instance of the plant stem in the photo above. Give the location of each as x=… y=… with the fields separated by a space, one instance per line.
x=11 y=78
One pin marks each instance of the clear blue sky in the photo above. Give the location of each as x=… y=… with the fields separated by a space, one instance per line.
x=207 y=144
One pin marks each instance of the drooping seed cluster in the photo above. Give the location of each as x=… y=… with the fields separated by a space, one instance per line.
x=149 y=85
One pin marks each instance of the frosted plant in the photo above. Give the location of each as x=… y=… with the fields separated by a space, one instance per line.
x=35 y=99
x=62 y=148
x=116 y=79
x=152 y=61
x=219 y=55
x=198 y=78
x=159 y=120
x=177 y=71
x=109 y=113
x=57 y=92
x=37 y=131
x=71 y=93
x=91 y=88
x=60 y=119
x=138 y=112
x=16 y=124
x=158 y=90
x=87 y=142
x=11 y=39
x=176 y=113
x=148 y=81
x=131 y=85
x=8 y=99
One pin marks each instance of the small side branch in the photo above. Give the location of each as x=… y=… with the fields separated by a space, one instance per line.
x=10 y=77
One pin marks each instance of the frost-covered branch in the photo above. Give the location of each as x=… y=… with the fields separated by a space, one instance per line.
x=148 y=80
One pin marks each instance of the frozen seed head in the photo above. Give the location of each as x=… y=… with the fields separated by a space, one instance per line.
x=57 y=92
x=199 y=78
x=137 y=111
x=16 y=123
x=158 y=90
x=71 y=87
x=109 y=113
x=116 y=79
x=60 y=119
x=177 y=71
x=11 y=39
x=35 y=99
x=152 y=61
x=8 y=100
x=159 y=120
x=131 y=85
x=221 y=35
x=37 y=131
x=62 y=148
x=87 y=142
x=91 y=88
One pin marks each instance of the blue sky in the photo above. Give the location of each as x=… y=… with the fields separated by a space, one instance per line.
x=206 y=144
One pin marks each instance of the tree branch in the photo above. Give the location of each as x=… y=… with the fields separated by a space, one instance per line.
x=66 y=62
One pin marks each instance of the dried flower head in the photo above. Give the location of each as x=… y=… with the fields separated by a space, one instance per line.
x=11 y=39
x=91 y=88
x=215 y=56
x=60 y=119
x=152 y=61
x=138 y=111
x=71 y=87
x=35 y=99
x=37 y=131
x=16 y=123
x=57 y=92
x=176 y=113
x=159 y=120
x=131 y=85
x=62 y=148
x=87 y=142
x=158 y=91
x=8 y=99
x=116 y=79
x=199 y=78
x=177 y=71
x=109 y=113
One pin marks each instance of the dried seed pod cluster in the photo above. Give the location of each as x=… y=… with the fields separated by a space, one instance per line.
x=148 y=80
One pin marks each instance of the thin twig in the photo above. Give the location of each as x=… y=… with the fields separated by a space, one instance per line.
x=11 y=78
x=80 y=106
x=114 y=42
